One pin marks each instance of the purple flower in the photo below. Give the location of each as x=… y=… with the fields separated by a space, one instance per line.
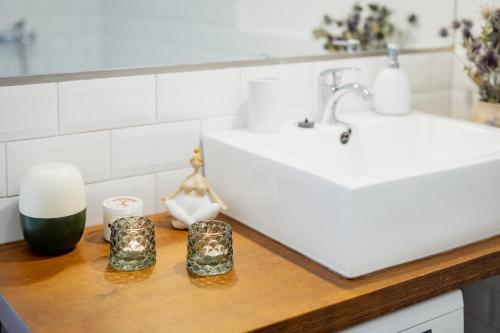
x=357 y=18
x=443 y=32
x=490 y=59
x=496 y=21
x=466 y=34
x=467 y=23
x=413 y=19
x=352 y=23
x=366 y=35
x=475 y=46
x=480 y=69
x=369 y=23
x=456 y=24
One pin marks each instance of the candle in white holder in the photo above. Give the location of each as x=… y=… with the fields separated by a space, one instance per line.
x=118 y=207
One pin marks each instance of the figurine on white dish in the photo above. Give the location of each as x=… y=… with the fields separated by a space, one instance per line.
x=194 y=200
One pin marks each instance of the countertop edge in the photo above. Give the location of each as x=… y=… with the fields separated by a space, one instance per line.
x=335 y=317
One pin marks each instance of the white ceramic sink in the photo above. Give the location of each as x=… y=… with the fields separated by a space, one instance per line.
x=403 y=188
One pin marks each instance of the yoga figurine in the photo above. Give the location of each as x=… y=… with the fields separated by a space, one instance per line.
x=194 y=200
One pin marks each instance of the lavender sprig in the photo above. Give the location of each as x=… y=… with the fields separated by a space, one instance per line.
x=370 y=25
x=483 y=52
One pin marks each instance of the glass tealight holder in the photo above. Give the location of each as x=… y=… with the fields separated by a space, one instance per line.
x=132 y=244
x=210 y=248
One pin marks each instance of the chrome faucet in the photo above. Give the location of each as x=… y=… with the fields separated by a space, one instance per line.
x=20 y=36
x=19 y=33
x=330 y=93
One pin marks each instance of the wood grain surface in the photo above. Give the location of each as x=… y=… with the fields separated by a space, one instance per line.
x=271 y=289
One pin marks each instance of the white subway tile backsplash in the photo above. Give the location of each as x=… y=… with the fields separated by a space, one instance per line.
x=3 y=172
x=28 y=111
x=106 y=103
x=436 y=102
x=10 y=227
x=462 y=102
x=167 y=183
x=298 y=83
x=460 y=80
x=442 y=65
x=142 y=187
x=194 y=95
x=223 y=123
x=150 y=159
x=89 y=152
x=153 y=148
x=418 y=68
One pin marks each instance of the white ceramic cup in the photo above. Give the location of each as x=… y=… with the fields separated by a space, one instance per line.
x=265 y=111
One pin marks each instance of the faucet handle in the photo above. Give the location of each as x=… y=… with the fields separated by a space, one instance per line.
x=333 y=77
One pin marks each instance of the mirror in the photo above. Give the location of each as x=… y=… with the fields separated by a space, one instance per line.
x=69 y=36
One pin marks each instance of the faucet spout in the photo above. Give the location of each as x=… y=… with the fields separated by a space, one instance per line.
x=330 y=112
x=331 y=91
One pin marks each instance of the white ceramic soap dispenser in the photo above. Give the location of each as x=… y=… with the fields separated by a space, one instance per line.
x=392 y=87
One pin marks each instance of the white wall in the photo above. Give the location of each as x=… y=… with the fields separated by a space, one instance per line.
x=195 y=31
x=299 y=17
x=77 y=35
x=135 y=135
x=68 y=35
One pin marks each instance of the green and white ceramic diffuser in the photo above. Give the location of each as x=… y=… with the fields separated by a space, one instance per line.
x=52 y=207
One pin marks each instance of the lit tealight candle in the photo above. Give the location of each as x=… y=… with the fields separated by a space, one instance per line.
x=134 y=248
x=132 y=244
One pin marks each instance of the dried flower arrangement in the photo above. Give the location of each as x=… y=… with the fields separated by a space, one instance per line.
x=483 y=52
x=370 y=25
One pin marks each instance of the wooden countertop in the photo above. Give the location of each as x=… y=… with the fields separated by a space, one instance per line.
x=271 y=288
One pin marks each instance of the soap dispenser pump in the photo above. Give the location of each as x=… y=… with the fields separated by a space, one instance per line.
x=392 y=87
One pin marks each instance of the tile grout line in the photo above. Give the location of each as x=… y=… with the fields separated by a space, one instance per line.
x=136 y=175
x=58 y=110
x=110 y=154
x=177 y=121
x=156 y=192
x=156 y=99
x=451 y=78
x=119 y=178
x=6 y=173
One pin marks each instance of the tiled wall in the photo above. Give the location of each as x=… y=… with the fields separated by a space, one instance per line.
x=135 y=135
